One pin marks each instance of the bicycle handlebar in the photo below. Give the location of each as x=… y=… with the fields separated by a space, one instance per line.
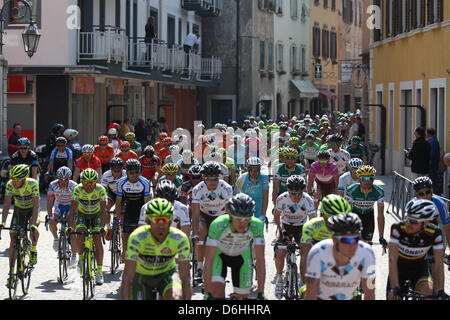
x=88 y=232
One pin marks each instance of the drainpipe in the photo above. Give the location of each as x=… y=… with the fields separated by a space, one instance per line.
x=238 y=47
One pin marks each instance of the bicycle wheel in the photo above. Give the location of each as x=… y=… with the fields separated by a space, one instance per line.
x=63 y=257
x=12 y=288
x=86 y=276
x=26 y=277
x=116 y=250
x=294 y=283
x=194 y=266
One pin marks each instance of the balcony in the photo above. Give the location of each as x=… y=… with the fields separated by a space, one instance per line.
x=205 y=8
x=109 y=44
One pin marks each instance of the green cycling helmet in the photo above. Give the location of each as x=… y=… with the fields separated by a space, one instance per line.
x=89 y=175
x=334 y=204
x=159 y=207
x=20 y=171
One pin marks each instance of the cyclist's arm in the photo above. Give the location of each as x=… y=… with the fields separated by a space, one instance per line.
x=368 y=288
x=277 y=217
x=336 y=183
x=34 y=171
x=276 y=185
x=393 y=268
x=210 y=254
x=312 y=288
x=195 y=218
x=103 y=213
x=100 y=173
x=311 y=178
x=184 y=268
x=73 y=209
x=118 y=206
x=50 y=166
x=304 y=250
x=380 y=220
x=437 y=269
x=50 y=202
x=260 y=267
x=76 y=174
x=265 y=203
x=35 y=214
x=447 y=233
x=127 y=278
x=6 y=206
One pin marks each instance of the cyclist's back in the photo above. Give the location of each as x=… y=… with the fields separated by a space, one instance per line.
x=254 y=190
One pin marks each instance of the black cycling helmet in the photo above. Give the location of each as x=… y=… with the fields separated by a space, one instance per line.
x=211 y=169
x=133 y=164
x=58 y=128
x=323 y=154
x=344 y=223
x=195 y=170
x=166 y=189
x=241 y=205
x=61 y=140
x=422 y=182
x=296 y=183
x=116 y=163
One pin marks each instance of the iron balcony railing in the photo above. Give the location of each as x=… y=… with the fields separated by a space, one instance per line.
x=203 y=7
x=103 y=43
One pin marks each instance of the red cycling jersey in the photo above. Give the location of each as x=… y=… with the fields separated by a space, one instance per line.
x=149 y=166
x=95 y=163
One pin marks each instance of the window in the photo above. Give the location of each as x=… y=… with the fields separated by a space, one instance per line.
x=279 y=7
x=360 y=14
x=378 y=32
x=333 y=45
x=325 y=4
x=294 y=9
x=303 y=60
x=316 y=2
x=180 y=32
x=417 y=13
x=19 y=14
x=270 y=56
x=333 y=5
x=263 y=4
x=325 y=43
x=280 y=57
x=347 y=6
x=316 y=41
x=435 y=11
x=295 y=60
x=262 y=54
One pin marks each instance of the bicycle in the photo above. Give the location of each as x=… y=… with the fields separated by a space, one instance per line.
x=115 y=245
x=411 y=295
x=21 y=258
x=195 y=280
x=291 y=278
x=89 y=262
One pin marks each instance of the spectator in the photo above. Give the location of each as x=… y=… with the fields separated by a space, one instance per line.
x=447 y=163
x=164 y=126
x=141 y=132
x=354 y=128
x=149 y=36
x=435 y=156
x=419 y=154
x=191 y=40
x=13 y=141
x=124 y=128
x=131 y=125
x=361 y=128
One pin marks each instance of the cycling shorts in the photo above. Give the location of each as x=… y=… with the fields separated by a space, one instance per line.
x=206 y=220
x=142 y=285
x=414 y=272
x=60 y=210
x=296 y=232
x=368 y=223
x=21 y=217
x=325 y=188
x=87 y=221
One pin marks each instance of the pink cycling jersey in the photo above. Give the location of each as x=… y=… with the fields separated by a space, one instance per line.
x=326 y=175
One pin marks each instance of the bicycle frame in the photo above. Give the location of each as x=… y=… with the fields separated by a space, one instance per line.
x=292 y=275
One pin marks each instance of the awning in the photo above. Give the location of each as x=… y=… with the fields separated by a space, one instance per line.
x=328 y=94
x=305 y=88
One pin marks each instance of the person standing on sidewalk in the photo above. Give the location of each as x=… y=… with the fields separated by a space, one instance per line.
x=435 y=156
x=419 y=154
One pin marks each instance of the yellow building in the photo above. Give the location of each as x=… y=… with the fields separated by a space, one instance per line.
x=410 y=66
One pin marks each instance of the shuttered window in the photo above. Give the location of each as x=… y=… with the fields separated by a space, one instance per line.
x=270 y=56
x=333 y=45
x=262 y=54
x=316 y=41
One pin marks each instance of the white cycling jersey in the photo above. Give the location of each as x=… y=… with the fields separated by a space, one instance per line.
x=62 y=196
x=340 y=158
x=109 y=182
x=295 y=214
x=345 y=180
x=212 y=202
x=339 y=283
x=181 y=214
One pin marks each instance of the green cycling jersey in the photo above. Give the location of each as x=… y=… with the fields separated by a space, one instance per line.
x=315 y=230
x=364 y=203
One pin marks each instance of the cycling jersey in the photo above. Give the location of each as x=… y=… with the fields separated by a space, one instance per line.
x=346 y=180
x=149 y=166
x=358 y=152
x=310 y=153
x=212 y=203
x=325 y=176
x=340 y=158
x=177 y=181
x=83 y=164
x=339 y=283
x=31 y=159
x=282 y=174
x=23 y=196
x=131 y=155
x=186 y=166
x=110 y=182
x=62 y=196
x=89 y=203
x=361 y=203
x=295 y=214
x=136 y=147
x=133 y=196
x=169 y=159
x=315 y=230
x=181 y=215
x=106 y=155
x=60 y=159
x=238 y=154
x=152 y=258
x=254 y=190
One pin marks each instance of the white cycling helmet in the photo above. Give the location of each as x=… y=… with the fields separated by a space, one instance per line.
x=87 y=148
x=112 y=131
x=355 y=163
x=70 y=134
x=64 y=173
x=421 y=210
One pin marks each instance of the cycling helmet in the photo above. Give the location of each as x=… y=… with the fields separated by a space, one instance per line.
x=366 y=171
x=344 y=223
x=294 y=141
x=188 y=153
x=241 y=205
x=290 y=153
x=170 y=168
x=323 y=154
x=130 y=135
x=422 y=183
x=24 y=142
x=174 y=149
x=421 y=210
x=356 y=139
x=159 y=207
x=355 y=163
x=195 y=170
x=163 y=135
x=61 y=140
x=116 y=163
x=58 y=128
x=254 y=162
x=295 y=183
x=64 y=173
x=149 y=151
x=103 y=140
x=293 y=133
x=283 y=127
x=125 y=145
x=335 y=138
x=334 y=204
x=114 y=125
x=71 y=134
x=211 y=169
x=166 y=189
x=302 y=129
x=309 y=136
x=87 y=148
x=112 y=132
x=167 y=141
x=132 y=164
x=20 y=171
x=89 y=175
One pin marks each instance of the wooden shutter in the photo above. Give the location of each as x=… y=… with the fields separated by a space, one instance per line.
x=388 y=18
x=407 y=15
x=440 y=10
x=430 y=13
x=413 y=14
x=422 y=13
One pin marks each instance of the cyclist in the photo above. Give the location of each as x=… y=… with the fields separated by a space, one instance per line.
x=362 y=196
x=114 y=141
x=292 y=209
x=152 y=257
x=59 y=197
x=357 y=149
x=89 y=206
x=188 y=160
x=423 y=189
x=256 y=185
x=109 y=182
x=171 y=173
x=26 y=156
x=135 y=146
x=230 y=241
x=309 y=151
x=284 y=171
x=26 y=207
x=164 y=152
x=337 y=154
x=133 y=191
x=151 y=164
x=237 y=151
x=88 y=160
x=105 y=152
x=174 y=155
x=349 y=177
x=215 y=156
x=410 y=241
x=229 y=163
x=336 y=266
x=316 y=229
x=208 y=202
x=61 y=156
x=326 y=175
x=125 y=152
x=195 y=177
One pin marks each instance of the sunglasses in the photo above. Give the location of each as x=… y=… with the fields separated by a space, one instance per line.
x=133 y=172
x=323 y=161
x=366 y=179
x=290 y=158
x=102 y=144
x=348 y=240
x=16 y=180
x=196 y=177
x=88 y=154
x=23 y=148
x=254 y=169
x=60 y=145
x=125 y=150
x=412 y=221
x=427 y=192
x=116 y=170
x=159 y=220
x=241 y=219
x=211 y=179
x=295 y=193
x=89 y=183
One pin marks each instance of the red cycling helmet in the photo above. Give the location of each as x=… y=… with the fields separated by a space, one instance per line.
x=103 y=140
